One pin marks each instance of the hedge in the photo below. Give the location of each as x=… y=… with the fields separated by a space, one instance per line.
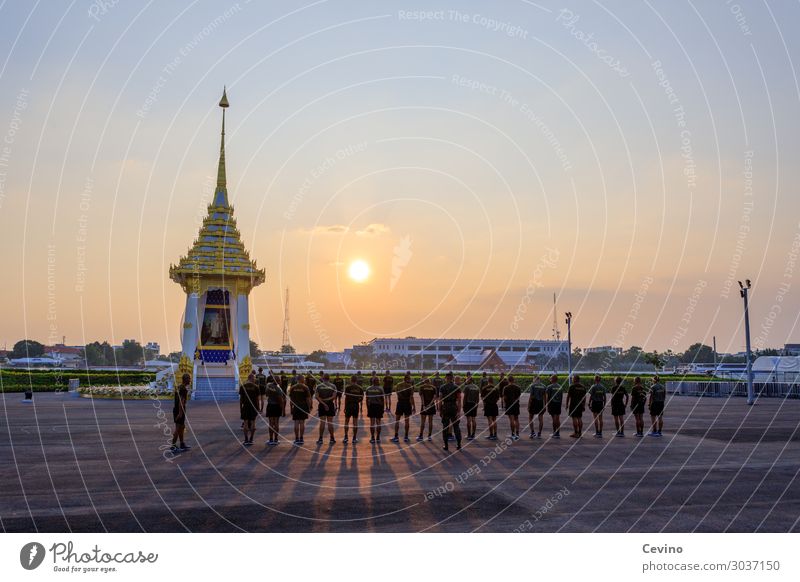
x=17 y=380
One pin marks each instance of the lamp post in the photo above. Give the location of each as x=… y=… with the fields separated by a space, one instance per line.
x=569 y=347
x=743 y=289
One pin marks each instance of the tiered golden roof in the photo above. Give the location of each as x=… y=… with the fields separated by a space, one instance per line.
x=218 y=252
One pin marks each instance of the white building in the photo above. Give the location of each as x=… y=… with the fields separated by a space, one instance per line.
x=603 y=349
x=514 y=352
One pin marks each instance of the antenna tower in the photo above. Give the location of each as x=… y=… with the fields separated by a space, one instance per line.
x=285 y=337
x=556 y=332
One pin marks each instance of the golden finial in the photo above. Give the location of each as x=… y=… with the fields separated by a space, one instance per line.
x=224 y=101
x=221 y=194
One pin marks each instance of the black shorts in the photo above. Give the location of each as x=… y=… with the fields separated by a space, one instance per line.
x=323 y=410
x=554 y=409
x=535 y=406
x=299 y=413
x=618 y=408
x=375 y=410
x=178 y=417
x=597 y=407
x=656 y=409
x=429 y=410
x=471 y=409
x=637 y=408
x=403 y=408
x=351 y=409
x=249 y=413
x=513 y=410
x=388 y=390
x=576 y=412
x=273 y=410
x=490 y=409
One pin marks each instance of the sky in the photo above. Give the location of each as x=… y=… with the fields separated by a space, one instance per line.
x=634 y=159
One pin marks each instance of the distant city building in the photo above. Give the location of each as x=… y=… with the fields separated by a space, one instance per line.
x=603 y=350
x=153 y=347
x=513 y=352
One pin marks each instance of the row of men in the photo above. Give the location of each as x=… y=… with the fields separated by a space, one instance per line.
x=451 y=399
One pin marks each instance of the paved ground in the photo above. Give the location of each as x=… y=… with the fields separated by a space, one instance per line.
x=82 y=465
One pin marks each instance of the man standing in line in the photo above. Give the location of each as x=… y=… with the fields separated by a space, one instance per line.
x=638 y=400
x=597 y=402
x=275 y=405
x=248 y=407
x=326 y=407
x=554 y=397
x=353 y=399
x=179 y=413
x=427 y=406
x=405 y=406
x=311 y=382
x=536 y=405
x=437 y=383
x=375 y=404
x=338 y=383
x=450 y=397
x=261 y=380
x=472 y=397
x=388 y=387
x=576 y=403
x=300 y=400
x=511 y=395
x=658 y=396
x=619 y=401
x=484 y=380
x=491 y=395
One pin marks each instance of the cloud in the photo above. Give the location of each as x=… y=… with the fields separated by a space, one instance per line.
x=322 y=229
x=374 y=229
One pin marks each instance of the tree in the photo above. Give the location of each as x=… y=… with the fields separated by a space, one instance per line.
x=362 y=355
x=697 y=353
x=99 y=354
x=318 y=356
x=655 y=359
x=254 y=350
x=287 y=349
x=175 y=357
x=27 y=349
x=131 y=353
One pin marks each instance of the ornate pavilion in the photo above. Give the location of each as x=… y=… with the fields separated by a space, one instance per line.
x=217 y=276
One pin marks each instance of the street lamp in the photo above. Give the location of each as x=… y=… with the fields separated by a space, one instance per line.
x=569 y=347
x=743 y=289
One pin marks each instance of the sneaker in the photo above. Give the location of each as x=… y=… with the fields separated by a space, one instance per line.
x=652 y=434
x=319 y=441
x=638 y=434
x=659 y=433
x=175 y=448
x=406 y=440
x=420 y=438
x=445 y=448
x=619 y=434
x=451 y=438
x=246 y=443
x=458 y=447
x=556 y=435
x=430 y=438
x=372 y=440
x=598 y=435
x=344 y=440
x=332 y=442
x=184 y=447
x=471 y=437
x=378 y=439
x=538 y=435
x=302 y=441
x=355 y=440
x=395 y=440
x=533 y=435
x=573 y=435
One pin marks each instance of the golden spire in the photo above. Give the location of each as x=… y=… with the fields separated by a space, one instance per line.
x=221 y=194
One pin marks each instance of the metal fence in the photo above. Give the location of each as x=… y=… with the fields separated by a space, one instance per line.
x=725 y=389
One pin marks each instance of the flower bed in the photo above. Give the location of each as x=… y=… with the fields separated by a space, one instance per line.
x=125 y=392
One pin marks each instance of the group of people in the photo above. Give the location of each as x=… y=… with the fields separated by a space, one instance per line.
x=451 y=397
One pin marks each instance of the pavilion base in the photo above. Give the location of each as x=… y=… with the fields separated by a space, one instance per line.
x=216 y=383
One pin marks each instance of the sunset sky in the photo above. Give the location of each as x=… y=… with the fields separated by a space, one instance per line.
x=635 y=160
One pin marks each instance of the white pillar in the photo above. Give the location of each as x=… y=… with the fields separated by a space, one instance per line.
x=190 y=329
x=242 y=327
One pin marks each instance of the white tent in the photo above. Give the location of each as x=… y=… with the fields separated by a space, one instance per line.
x=776 y=369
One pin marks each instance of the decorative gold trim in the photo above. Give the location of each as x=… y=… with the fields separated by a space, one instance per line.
x=187 y=325
x=245 y=367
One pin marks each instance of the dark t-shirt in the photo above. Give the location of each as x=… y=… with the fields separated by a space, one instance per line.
x=179 y=402
x=299 y=395
x=449 y=394
x=471 y=394
x=311 y=383
x=339 y=384
x=491 y=394
x=388 y=382
x=353 y=394
x=555 y=394
x=577 y=392
x=437 y=384
x=618 y=394
x=375 y=396
x=427 y=393
x=596 y=393
x=537 y=390
x=273 y=393
x=659 y=392
x=404 y=391
x=511 y=394
x=248 y=396
x=326 y=391
x=638 y=394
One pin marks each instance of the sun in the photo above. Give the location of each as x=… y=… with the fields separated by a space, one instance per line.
x=358 y=271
